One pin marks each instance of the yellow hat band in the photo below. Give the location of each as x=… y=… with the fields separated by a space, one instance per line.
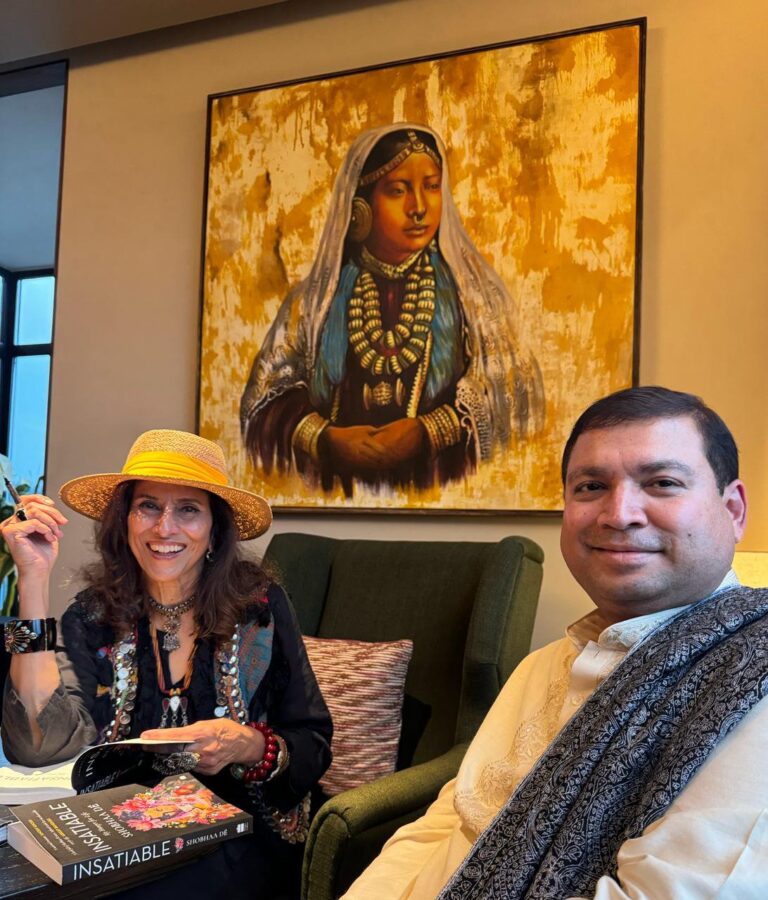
x=165 y=464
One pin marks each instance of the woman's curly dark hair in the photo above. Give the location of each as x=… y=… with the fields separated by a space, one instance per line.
x=230 y=589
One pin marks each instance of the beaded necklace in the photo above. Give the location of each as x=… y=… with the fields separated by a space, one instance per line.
x=390 y=351
x=392 y=271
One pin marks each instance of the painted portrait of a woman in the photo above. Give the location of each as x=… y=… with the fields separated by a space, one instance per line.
x=397 y=361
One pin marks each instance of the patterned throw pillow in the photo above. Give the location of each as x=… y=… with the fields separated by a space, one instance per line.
x=363 y=684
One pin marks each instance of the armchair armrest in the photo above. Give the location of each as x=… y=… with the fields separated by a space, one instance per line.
x=368 y=815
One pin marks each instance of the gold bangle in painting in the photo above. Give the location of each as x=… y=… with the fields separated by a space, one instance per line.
x=431 y=429
x=443 y=427
x=307 y=434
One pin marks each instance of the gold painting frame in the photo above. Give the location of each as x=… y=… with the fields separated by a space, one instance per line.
x=528 y=291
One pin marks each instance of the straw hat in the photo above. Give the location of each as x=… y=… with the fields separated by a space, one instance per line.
x=172 y=457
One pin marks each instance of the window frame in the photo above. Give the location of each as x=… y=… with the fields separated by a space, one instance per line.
x=9 y=351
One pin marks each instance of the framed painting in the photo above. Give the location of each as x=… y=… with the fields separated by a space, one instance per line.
x=415 y=276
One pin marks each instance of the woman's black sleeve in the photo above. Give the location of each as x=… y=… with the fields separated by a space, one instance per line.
x=295 y=709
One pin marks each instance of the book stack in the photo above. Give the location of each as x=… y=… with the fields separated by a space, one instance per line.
x=6 y=816
x=82 y=819
x=74 y=838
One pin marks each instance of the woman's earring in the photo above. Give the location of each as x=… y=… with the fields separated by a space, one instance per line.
x=209 y=554
x=360 y=221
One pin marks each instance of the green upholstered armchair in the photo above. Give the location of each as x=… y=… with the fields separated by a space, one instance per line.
x=469 y=609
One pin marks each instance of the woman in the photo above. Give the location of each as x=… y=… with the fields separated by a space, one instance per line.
x=174 y=637
x=396 y=361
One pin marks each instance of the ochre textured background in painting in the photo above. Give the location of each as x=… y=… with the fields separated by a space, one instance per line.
x=542 y=143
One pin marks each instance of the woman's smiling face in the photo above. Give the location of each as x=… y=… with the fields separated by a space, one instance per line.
x=407 y=204
x=169 y=532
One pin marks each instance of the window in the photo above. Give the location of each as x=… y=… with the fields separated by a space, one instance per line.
x=31 y=124
x=26 y=343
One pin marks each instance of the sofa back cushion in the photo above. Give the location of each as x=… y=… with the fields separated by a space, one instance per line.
x=363 y=684
x=424 y=591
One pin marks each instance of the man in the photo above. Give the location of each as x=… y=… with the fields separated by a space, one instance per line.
x=626 y=760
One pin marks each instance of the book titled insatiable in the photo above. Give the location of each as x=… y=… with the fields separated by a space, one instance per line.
x=104 y=832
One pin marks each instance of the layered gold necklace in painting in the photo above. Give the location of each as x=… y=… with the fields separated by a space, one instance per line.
x=390 y=351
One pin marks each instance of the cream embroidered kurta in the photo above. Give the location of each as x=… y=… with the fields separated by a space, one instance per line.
x=712 y=841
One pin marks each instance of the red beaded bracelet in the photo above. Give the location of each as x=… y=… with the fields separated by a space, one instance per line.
x=262 y=770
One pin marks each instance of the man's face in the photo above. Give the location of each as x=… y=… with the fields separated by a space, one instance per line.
x=645 y=527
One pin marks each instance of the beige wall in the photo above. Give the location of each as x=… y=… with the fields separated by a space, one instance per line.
x=129 y=256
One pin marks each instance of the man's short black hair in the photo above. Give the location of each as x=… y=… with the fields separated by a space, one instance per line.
x=651 y=402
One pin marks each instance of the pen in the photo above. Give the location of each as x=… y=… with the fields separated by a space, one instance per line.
x=20 y=514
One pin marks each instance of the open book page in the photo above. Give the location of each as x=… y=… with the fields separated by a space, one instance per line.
x=20 y=784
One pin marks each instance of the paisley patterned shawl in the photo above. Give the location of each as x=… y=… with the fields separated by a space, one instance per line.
x=626 y=754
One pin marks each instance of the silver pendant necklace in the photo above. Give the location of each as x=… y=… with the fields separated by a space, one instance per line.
x=174 y=706
x=171 y=616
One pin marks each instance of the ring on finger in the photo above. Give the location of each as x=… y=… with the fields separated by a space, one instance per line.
x=176 y=763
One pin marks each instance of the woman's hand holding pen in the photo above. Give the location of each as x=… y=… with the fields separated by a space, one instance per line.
x=33 y=542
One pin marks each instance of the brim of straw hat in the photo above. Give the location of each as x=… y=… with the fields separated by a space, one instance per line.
x=92 y=494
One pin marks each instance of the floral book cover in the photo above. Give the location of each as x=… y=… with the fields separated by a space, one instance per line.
x=104 y=832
